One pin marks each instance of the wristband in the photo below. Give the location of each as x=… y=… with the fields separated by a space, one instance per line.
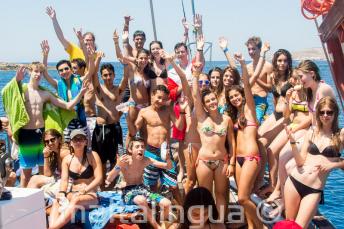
x=65 y=193
x=117 y=167
x=225 y=50
x=293 y=143
x=232 y=164
x=200 y=50
x=182 y=112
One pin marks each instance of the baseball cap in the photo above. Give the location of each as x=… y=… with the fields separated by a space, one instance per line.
x=77 y=132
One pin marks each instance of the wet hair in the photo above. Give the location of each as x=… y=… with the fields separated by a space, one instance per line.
x=37 y=64
x=289 y=69
x=181 y=44
x=63 y=62
x=332 y=104
x=53 y=159
x=233 y=111
x=234 y=72
x=108 y=67
x=80 y=62
x=147 y=70
x=162 y=61
x=135 y=139
x=199 y=196
x=307 y=66
x=139 y=33
x=219 y=89
x=162 y=88
x=255 y=41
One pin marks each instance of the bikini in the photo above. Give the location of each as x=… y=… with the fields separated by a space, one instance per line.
x=86 y=174
x=301 y=106
x=241 y=159
x=276 y=94
x=137 y=80
x=213 y=164
x=304 y=190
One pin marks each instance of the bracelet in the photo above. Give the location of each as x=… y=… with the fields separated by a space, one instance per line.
x=117 y=167
x=225 y=50
x=293 y=143
x=182 y=112
x=200 y=50
x=232 y=164
x=65 y=193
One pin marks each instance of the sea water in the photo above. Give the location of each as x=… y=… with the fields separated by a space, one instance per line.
x=334 y=191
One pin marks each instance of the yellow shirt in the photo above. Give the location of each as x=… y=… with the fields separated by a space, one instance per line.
x=74 y=52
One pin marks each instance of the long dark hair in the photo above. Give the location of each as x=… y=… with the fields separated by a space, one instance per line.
x=233 y=111
x=219 y=89
x=54 y=157
x=162 y=61
x=147 y=70
x=198 y=196
x=234 y=72
x=289 y=69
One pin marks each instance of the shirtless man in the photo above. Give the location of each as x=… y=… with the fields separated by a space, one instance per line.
x=139 y=39
x=30 y=136
x=263 y=85
x=134 y=190
x=156 y=119
x=108 y=132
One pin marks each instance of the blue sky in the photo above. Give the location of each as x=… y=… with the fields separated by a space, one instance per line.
x=24 y=24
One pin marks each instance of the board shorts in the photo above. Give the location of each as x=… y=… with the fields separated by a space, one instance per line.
x=30 y=143
x=131 y=191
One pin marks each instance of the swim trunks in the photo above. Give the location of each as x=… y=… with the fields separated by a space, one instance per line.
x=131 y=191
x=261 y=107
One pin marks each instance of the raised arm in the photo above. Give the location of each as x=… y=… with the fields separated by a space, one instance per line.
x=200 y=46
x=247 y=89
x=78 y=33
x=127 y=47
x=52 y=14
x=45 y=52
x=180 y=122
x=223 y=45
x=232 y=147
x=259 y=67
x=200 y=113
x=68 y=105
x=186 y=30
x=91 y=65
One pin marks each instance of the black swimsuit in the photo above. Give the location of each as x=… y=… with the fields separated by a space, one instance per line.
x=86 y=174
x=276 y=94
x=313 y=149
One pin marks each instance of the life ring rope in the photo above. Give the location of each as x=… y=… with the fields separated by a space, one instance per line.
x=315 y=8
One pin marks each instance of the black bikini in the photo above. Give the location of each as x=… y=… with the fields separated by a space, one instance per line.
x=86 y=174
x=276 y=94
x=313 y=149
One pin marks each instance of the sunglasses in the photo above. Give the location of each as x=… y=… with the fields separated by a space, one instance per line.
x=51 y=140
x=78 y=139
x=201 y=82
x=64 y=69
x=328 y=113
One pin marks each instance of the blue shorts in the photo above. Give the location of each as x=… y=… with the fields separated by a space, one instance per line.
x=261 y=107
x=152 y=173
x=31 y=146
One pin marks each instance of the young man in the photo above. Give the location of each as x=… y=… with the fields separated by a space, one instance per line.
x=108 y=132
x=135 y=191
x=262 y=86
x=29 y=137
x=156 y=121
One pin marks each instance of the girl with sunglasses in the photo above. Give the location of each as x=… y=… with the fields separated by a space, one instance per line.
x=81 y=175
x=52 y=160
x=319 y=155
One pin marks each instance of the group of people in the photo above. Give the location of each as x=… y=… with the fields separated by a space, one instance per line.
x=217 y=120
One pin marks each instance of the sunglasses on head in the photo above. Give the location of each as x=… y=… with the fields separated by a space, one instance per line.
x=64 y=69
x=52 y=140
x=201 y=82
x=79 y=139
x=328 y=113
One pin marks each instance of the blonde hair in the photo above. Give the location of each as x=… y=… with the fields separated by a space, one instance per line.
x=38 y=65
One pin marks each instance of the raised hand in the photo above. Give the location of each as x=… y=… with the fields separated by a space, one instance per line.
x=239 y=57
x=197 y=67
x=265 y=48
x=20 y=73
x=127 y=19
x=185 y=24
x=183 y=103
x=200 y=42
x=165 y=55
x=45 y=47
x=51 y=12
x=115 y=36
x=223 y=43
x=78 y=33
x=100 y=54
x=85 y=85
x=90 y=51
x=197 y=22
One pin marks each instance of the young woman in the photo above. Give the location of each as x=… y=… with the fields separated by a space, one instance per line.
x=52 y=160
x=282 y=69
x=216 y=84
x=83 y=172
x=243 y=113
x=212 y=164
x=158 y=64
x=319 y=155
